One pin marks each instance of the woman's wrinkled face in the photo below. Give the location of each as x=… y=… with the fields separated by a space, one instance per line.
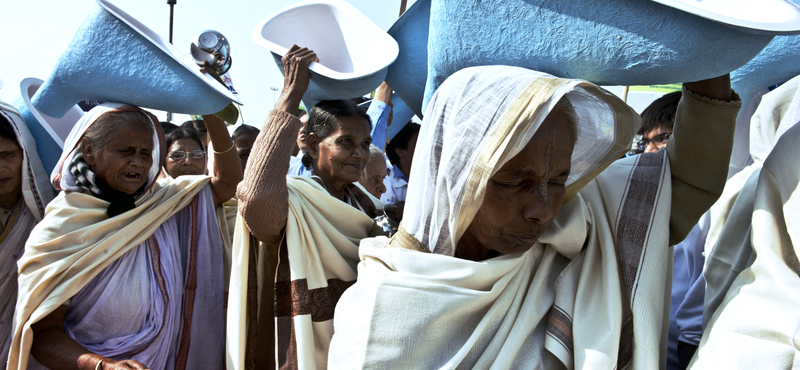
x=340 y=157
x=188 y=165
x=372 y=177
x=10 y=167
x=524 y=196
x=125 y=161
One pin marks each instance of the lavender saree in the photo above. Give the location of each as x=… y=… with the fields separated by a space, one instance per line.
x=144 y=285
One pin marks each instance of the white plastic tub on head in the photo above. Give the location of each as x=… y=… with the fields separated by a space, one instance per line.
x=354 y=53
x=761 y=16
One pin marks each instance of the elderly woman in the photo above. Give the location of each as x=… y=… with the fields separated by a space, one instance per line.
x=125 y=272
x=24 y=193
x=373 y=174
x=526 y=246
x=312 y=225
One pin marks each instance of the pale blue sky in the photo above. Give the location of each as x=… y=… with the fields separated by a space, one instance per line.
x=38 y=31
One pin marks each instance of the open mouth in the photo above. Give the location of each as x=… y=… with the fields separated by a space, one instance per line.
x=132 y=175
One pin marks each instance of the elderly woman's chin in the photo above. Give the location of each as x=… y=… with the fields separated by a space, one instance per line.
x=512 y=243
x=480 y=243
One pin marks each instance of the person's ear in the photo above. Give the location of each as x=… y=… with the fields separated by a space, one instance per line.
x=312 y=145
x=88 y=152
x=401 y=153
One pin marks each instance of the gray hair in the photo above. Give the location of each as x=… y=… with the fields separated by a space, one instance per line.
x=102 y=131
x=374 y=150
x=565 y=107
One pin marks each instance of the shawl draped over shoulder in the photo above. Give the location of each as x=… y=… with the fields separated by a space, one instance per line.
x=753 y=264
x=316 y=263
x=134 y=277
x=36 y=193
x=591 y=293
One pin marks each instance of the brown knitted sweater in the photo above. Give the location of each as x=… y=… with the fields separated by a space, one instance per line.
x=263 y=195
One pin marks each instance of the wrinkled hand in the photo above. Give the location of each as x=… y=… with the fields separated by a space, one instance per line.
x=207 y=68
x=109 y=364
x=295 y=71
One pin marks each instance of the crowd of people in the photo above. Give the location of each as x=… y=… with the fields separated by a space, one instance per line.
x=508 y=230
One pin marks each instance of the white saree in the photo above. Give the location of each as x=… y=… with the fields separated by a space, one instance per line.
x=316 y=263
x=591 y=293
x=36 y=193
x=753 y=264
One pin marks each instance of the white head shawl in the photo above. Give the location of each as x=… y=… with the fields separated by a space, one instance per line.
x=480 y=118
x=36 y=189
x=778 y=111
x=63 y=179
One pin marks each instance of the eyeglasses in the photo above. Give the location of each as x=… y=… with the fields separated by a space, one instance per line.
x=658 y=141
x=181 y=154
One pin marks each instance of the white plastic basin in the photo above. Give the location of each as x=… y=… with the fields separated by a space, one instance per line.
x=350 y=47
x=759 y=16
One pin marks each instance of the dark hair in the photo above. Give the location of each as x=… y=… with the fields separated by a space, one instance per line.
x=7 y=131
x=244 y=130
x=168 y=127
x=660 y=113
x=183 y=133
x=323 y=120
x=198 y=125
x=400 y=141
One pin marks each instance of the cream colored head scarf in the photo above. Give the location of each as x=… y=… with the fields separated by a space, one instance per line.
x=36 y=193
x=36 y=189
x=76 y=239
x=64 y=180
x=589 y=294
x=486 y=115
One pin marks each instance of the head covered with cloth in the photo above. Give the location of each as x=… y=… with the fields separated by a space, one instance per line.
x=114 y=258
x=505 y=163
x=27 y=189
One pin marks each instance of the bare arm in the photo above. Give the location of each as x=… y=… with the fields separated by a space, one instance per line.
x=699 y=150
x=56 y=350
x=227 y=172
x=263 y=196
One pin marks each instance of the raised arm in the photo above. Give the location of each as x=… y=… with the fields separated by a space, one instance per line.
x=699 y=150
x=227 y=169
x=380 y=113
x=263 y=196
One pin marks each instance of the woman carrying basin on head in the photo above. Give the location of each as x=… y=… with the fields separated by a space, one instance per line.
x=125 y=271
x=300 y=235
x=523 y=245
